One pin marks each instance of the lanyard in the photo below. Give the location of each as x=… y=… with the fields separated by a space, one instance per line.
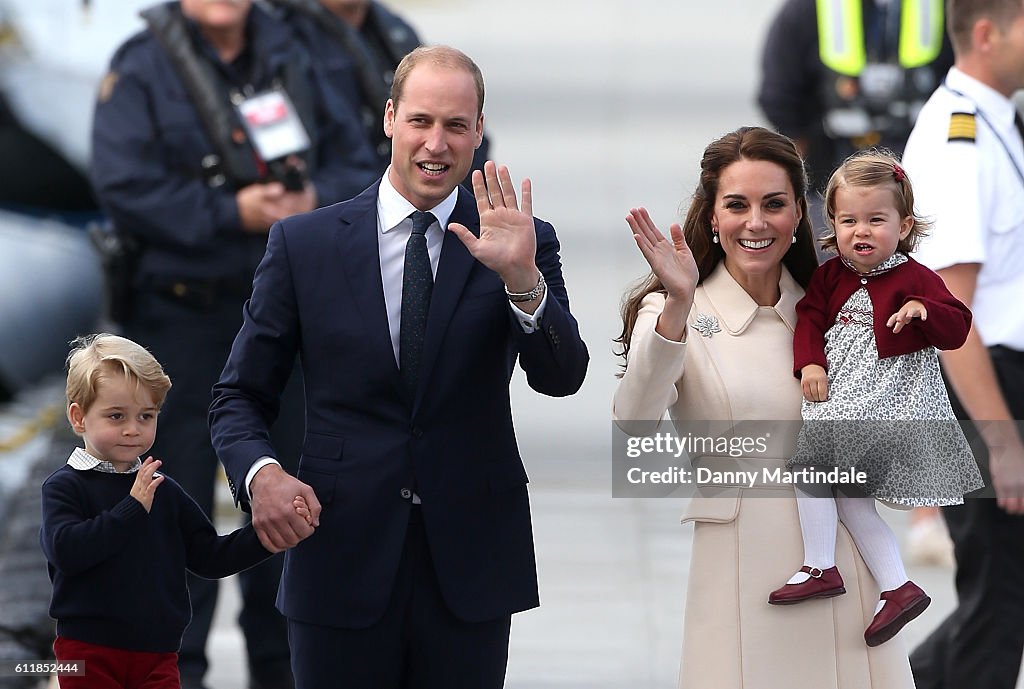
x=988 y=123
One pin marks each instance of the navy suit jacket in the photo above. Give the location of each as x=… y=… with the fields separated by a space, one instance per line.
x=318 y=294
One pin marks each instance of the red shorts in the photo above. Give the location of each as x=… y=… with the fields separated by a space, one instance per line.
x=116 y=668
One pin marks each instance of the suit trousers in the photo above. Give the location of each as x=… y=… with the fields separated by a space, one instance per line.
x=417 y=644
x=192 y=344
x=981 y=642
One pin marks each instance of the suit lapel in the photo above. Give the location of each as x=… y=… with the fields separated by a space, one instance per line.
x=359 y=253
x=452 y=272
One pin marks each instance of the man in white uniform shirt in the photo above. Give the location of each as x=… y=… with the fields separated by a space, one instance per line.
x=965 y=158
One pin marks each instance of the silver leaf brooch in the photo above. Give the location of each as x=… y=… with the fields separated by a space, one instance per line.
x=706 y=325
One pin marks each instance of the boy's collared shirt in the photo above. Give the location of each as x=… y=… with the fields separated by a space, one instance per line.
x=83 y=461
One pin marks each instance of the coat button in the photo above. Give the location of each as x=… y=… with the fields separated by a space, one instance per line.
x=405 y=493
x=863 y=281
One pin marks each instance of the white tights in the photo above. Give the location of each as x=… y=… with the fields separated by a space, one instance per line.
x=819 y=518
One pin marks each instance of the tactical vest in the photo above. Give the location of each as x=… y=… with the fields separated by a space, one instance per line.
x=869 y=99
x=233 y=160
x=375 y=51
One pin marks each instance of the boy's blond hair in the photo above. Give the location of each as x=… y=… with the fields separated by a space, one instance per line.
x=94 y=357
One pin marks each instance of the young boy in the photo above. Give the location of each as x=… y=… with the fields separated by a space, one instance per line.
x=117 y=550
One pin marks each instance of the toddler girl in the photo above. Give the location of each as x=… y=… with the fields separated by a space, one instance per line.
x=865 y=351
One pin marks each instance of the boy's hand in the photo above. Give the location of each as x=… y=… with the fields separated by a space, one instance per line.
x=146 y=482
x=814 y=383
x=909 y=311
x=274 y=517
x=302 y=509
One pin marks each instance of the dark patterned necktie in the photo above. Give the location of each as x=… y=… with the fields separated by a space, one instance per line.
x=417 y=283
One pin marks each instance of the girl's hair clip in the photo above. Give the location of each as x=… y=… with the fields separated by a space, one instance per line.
x=898 y=172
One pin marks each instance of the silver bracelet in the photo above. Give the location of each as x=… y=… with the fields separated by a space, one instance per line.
x=527 y=296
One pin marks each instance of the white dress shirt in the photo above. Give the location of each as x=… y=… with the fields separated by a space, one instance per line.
x=81 y=460
x=974 y=193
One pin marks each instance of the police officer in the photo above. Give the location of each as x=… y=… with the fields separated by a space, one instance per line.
x=841 y=75
x=211 y=125
x=357 y=45
x=965 y=158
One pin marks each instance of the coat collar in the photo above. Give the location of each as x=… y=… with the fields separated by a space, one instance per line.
x=737 y=309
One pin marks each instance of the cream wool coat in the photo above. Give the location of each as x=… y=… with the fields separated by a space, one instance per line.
x=746 y=541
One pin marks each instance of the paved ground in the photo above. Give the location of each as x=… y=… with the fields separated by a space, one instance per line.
x=613 y=576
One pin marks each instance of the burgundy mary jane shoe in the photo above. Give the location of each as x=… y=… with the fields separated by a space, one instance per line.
x=823 y=583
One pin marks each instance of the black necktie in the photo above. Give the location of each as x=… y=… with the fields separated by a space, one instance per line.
x=417 y=283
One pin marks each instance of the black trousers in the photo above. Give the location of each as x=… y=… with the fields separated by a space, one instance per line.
x=980 y=644
x=192 y=343
x=418 y=644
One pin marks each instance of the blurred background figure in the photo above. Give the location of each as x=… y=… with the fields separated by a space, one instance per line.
x=210 y=125
x=841 y=75
x=356 y=45
x=928 y=542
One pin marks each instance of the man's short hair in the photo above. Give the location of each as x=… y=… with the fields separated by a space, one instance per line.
x=961 y=15
x=96 y=357
x=442 y=56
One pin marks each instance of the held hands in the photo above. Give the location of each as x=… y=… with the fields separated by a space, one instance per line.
x=280 y=523
x=908 y=312
x=814 y=383
x=508 y=242
x=302 y=509
x=146 y=482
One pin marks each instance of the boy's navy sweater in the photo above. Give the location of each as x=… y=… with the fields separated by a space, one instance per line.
x=118 y=572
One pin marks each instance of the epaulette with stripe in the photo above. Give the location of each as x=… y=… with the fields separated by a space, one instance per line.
x=961 y=127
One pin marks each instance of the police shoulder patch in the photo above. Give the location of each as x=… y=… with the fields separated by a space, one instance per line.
x=961 y=127
x=107 y=86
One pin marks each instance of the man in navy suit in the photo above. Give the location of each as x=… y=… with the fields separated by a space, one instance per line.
x=421 y=545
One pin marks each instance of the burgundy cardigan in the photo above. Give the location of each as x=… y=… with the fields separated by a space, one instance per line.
x=833 y=283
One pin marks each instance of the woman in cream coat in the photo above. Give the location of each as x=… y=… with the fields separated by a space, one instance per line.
x=709 y=336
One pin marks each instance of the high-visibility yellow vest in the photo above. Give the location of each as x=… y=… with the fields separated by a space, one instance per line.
x=841 y=34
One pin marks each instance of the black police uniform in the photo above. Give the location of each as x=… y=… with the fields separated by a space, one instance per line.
x=196 y=263
x=359 y=64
